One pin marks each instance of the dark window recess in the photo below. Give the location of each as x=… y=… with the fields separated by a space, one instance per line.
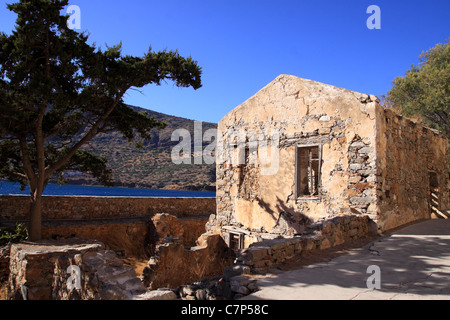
x=308 y=167
x=434 y=193
x=236 y=241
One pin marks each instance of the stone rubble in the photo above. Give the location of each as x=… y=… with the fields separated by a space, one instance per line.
x=219 y=288
x=262 y=256
x=209 y=258
x=40 y=271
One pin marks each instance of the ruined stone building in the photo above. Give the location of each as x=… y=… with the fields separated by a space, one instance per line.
x=300 y=152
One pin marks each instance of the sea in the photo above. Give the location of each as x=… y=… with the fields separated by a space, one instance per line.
x=9 y=188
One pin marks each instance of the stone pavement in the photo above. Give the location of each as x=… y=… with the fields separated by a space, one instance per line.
x=412 y=263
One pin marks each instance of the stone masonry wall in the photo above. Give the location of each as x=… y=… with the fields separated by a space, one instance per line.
x=261 y=256
x=16 y=208
x=289 y=113
x=135 y=238
x=407 y=153
x=174 y=265
x=70 y=270
x=132 y=238
x=373 y=162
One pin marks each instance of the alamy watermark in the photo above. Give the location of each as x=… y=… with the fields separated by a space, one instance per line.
x=74 y=21
x=374 y=281
x=374 y=21
x=240 y=147
x=74 y=280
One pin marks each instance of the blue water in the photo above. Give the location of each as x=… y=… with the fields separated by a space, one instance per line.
x=8 y=188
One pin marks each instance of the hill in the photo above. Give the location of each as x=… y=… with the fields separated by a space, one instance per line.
x=151 y=166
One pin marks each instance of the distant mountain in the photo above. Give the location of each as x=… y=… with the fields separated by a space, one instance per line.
x=151 y=166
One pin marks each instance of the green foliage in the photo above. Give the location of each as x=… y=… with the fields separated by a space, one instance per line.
x=13 y=235
x=57 y=92
x=424 y=91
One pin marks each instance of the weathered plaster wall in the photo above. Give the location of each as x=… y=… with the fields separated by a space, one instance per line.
x=407 y=152
x=374 y=162
x=295 y=112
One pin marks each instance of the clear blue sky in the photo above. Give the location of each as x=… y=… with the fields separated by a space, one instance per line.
x=243 y=45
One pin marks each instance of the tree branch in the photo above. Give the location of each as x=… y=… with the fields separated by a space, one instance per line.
x=89 y=135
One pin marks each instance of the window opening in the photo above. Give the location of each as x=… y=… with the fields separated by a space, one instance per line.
x=308 y=167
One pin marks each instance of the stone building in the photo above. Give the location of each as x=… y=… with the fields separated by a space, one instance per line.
x=300 y=152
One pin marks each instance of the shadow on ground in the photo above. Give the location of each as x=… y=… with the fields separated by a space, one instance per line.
x=414 y=263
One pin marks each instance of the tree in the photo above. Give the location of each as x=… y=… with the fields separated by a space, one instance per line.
x=57 y=92
x=424 y=91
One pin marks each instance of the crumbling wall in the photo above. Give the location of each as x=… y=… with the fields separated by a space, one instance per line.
x=187 y=230
x=122 y=224
x=72 y=269
x=407 y=154
x=132 y=238
x=174 y=265
x=289 y=113
x=261 y=256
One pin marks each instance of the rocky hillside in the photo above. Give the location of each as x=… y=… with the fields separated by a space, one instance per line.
x=151 y=166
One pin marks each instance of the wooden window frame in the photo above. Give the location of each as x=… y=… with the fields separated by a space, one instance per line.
x=240 y=239
x=299 y=196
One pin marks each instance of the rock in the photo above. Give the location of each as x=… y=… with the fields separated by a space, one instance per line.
x=200 y=294
x=174 y=265
x=71 y=269
x=358 y=144
x=374 y=98
x=187 y=290
x=240 y=289
x=366 y=150
x=356 y=166
x=253 y=286
x=240 y=281
x=324 y=130
x=167 y=226
x=157 y=295
x=325 y=118
x=325 y=244
x=258 y=253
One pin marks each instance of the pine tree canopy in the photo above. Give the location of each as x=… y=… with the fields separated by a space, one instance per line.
x=57 y=92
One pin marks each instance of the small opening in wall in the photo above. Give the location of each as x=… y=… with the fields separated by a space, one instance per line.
x=308 y=171
x=236 y=241
x=434 y=193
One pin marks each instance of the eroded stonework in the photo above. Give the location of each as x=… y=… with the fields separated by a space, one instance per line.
x=71 y=269
x=299 y=152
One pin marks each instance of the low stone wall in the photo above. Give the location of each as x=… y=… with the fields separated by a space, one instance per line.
x=136 y=238
x=133 y=238
x=69 y=270
x=16 y=208
x=261 y=256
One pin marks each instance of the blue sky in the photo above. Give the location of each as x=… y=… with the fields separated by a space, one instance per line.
x=243 y=45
